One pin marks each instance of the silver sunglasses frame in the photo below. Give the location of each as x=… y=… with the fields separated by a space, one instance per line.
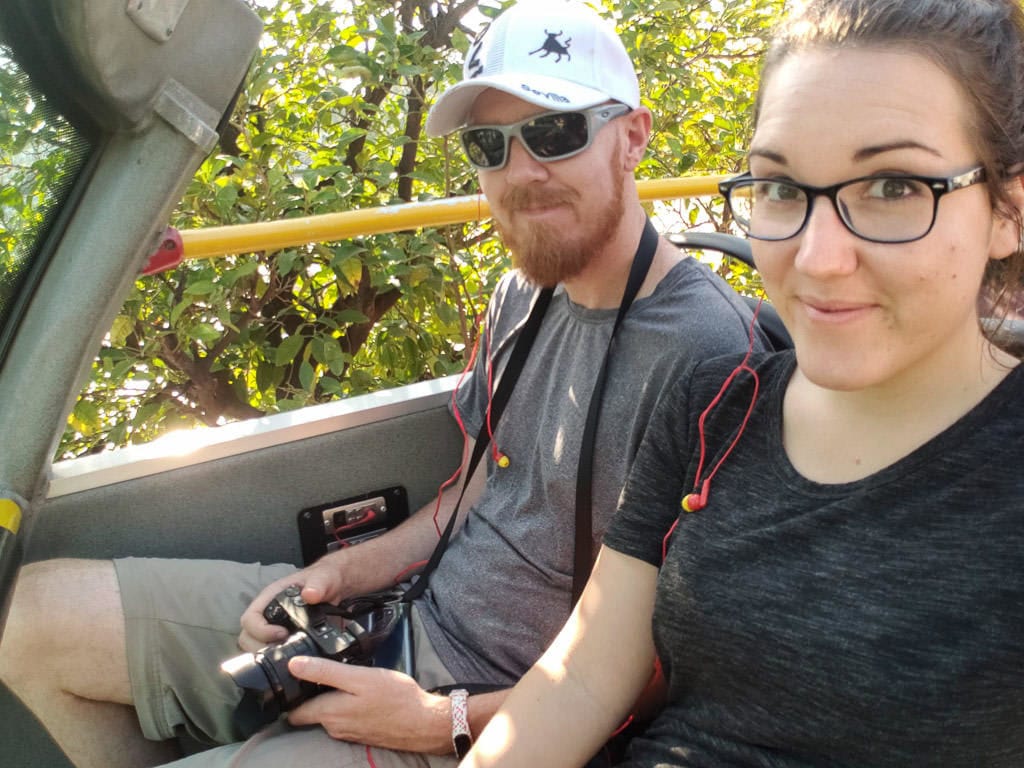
x=597 y=118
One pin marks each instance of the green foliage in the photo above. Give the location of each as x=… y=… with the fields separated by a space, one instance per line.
x=698 y=63
x=40 y=155
x=330 y=120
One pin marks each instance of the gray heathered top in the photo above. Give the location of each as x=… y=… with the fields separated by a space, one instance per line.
x=874 y=623
x=502 y=590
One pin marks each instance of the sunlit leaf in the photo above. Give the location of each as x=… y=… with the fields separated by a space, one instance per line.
x=288 y=349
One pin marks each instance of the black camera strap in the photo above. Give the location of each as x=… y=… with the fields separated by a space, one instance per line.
x=513 y=368
x=583 y=558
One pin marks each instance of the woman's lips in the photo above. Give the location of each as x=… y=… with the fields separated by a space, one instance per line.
x=835 y=312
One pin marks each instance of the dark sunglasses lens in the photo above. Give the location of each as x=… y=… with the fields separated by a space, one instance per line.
x=485 y=147
x=552 y=136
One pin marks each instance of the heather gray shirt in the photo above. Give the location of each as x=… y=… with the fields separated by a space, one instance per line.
x=502 y=590
x=871 y=624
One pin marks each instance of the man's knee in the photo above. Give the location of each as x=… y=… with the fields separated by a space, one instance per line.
x=61 y=612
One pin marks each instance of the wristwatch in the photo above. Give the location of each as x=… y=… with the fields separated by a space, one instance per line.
x=462 y=739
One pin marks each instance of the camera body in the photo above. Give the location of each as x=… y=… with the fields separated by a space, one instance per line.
x=290 y=611
x=269 y=689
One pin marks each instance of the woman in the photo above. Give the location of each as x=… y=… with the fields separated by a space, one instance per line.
x=849 y=589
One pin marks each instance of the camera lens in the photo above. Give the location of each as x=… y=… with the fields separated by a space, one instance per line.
x=268 y=688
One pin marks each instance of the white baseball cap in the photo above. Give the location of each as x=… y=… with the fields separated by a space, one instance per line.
x=555 y=54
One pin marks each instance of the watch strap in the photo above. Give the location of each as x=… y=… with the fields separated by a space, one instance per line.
x=462 y=738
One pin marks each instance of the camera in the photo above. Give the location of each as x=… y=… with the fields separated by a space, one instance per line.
x=269 y=689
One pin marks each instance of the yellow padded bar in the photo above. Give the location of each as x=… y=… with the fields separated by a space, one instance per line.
x=210 y=242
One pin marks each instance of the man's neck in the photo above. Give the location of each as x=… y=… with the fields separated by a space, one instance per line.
x=601 y=284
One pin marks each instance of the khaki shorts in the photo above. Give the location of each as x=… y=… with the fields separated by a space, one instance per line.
x=181 y=622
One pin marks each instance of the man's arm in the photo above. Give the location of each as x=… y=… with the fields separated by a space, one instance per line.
x=367 y=703
x=569 y=703
x=368 y=566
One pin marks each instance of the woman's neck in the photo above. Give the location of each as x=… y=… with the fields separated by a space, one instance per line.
x=834 y=436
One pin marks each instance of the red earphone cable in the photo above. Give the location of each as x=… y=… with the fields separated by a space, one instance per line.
x=458 y=470
x=664 y=541
x=698 y=499
x=462 y=430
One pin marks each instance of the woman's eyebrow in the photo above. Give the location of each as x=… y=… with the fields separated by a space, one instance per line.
x=860 y=155
x=767 y=154
x=867 y=153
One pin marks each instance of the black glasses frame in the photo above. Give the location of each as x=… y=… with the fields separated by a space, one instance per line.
x=596 y=118
x=939 y=185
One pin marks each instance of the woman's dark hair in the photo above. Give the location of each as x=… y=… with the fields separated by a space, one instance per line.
x=980 y=44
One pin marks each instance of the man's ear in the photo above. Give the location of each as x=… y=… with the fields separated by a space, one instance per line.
x=637 y=134
x=1007 y=236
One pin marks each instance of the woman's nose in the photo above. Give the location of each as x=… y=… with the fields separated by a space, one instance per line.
x=827 y=246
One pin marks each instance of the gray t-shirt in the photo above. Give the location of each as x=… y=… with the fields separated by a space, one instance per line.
x=873 y=623
x=502 y=590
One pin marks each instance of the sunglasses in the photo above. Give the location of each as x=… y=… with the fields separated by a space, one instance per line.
x=547 y=137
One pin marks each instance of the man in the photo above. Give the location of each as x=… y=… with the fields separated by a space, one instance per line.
x=556 y=130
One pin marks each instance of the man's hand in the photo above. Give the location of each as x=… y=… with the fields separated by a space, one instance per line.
x=320 y=582
x=373 y=706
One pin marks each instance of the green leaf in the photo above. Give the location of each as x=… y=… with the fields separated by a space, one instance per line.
x=351 y=316
x=235 y=274
x=336 y=359
x=286 y=261
x=268 y=376
x=351 y=269
x=85 y=417
x=288 y=349
x=307 y=376
x=331 y=386
x=200 y=288
x=121 y=329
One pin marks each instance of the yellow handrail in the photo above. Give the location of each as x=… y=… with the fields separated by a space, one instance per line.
x=210 y=242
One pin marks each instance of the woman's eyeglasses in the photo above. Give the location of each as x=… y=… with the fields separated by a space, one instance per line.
x=880 y=209
x=548 y=137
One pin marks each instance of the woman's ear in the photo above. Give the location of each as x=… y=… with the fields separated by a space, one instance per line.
x=1007 y=233
x=637 y=134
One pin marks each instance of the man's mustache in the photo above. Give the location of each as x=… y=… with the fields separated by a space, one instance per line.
x=524 y=198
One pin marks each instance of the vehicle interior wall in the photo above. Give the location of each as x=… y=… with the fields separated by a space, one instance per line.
x=244 y=507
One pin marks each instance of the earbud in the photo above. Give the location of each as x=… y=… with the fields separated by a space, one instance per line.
x=695 y=502
x=503 y=460
x=692 y=502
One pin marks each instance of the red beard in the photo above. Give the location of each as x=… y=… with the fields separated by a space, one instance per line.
x=546 y=254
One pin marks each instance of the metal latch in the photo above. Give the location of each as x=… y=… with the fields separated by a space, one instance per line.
x=342 y=519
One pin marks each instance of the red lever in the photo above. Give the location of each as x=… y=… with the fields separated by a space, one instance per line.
x=168 y=255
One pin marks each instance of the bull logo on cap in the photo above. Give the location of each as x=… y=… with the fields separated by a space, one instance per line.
x=551 y=45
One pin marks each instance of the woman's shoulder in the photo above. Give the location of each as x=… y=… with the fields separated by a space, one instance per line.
x=758 y=367
x=732 y=382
